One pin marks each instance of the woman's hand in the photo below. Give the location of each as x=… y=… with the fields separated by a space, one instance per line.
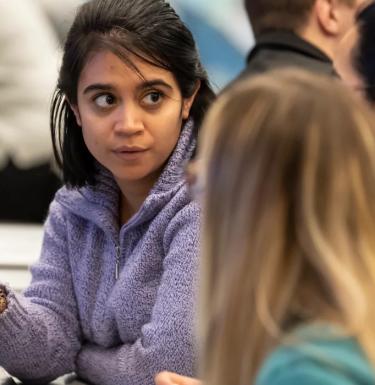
x=3 y=299
x=169 y=378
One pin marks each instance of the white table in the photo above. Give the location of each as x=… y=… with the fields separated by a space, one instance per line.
x=19 y=247
x=70 y=379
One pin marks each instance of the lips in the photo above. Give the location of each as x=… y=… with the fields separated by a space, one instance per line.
x=130 y=153
x=130 y=149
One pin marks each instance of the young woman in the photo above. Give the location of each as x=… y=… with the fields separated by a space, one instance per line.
x=112 y=295
x=355 y=58
x=288 y=279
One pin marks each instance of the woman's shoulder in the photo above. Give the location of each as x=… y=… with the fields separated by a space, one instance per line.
x=318 y=358
x=184 y=207
x=186 y=219
x=76 y=199
x=67 y=197
x=77 y=204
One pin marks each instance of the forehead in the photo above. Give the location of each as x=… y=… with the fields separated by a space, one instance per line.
x=105 y=66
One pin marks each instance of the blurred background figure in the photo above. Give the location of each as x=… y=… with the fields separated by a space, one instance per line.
x=355 y=57
x=297 y=33
x=288 y=274
x=28 y=73
x=31 y=36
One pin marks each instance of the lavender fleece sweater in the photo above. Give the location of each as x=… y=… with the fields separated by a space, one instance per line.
x=76 y=316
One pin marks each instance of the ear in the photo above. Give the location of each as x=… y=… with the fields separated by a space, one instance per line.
x=327 y=16
x=188 y=102
x=75 y=110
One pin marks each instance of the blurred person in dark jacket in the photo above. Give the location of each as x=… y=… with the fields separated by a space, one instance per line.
x=297 y=33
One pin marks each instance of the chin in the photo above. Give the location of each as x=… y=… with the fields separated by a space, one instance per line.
x=131 y=177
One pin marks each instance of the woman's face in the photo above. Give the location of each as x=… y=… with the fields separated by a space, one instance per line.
x=344 y=60
x=130 y=123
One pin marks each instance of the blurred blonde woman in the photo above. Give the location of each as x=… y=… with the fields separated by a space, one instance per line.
x=289 y=236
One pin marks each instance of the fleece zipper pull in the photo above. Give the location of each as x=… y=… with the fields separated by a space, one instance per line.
x=117 y=267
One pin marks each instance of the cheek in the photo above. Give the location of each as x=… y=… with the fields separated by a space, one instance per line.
x=173 y=137
x=167 y=135
x=91 y=127
x=168 y=121
x=91 y=137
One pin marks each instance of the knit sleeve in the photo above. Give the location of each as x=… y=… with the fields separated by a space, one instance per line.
x=167 y=341
x=39 y=332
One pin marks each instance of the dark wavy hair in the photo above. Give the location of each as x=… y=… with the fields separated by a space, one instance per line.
x=364 y=55
x=149 y=29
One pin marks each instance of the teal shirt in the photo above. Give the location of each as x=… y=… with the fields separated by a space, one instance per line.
x=323 y=360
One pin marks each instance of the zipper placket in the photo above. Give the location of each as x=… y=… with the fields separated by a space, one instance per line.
x=132 y=222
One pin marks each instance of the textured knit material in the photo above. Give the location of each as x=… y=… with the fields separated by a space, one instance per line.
x=76 y=316
x=324 y=360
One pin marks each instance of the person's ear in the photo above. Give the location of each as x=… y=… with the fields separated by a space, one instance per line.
x=77 y=115
x=188 y=102
x=327 y=14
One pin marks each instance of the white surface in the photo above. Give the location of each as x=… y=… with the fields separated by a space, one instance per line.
x=19 y=248
x=18 y=280
x=69 y=379
x=20 y=244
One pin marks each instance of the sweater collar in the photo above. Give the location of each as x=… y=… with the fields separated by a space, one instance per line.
x=100 y=203
x=285 y=40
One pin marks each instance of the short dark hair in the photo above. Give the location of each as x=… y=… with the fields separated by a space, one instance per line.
x=364 y=55
x=149 y=29
x=287 y=15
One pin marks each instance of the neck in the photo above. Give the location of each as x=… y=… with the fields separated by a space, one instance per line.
x=323 y=42
x=133 y=194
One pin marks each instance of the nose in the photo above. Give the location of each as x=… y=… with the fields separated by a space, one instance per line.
x=128 y=120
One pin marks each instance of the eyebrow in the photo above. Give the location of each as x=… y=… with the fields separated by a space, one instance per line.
x=153 y=83
x=97 y=87
x=141 y=86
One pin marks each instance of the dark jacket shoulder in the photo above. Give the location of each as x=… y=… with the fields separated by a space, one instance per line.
x=280 y=49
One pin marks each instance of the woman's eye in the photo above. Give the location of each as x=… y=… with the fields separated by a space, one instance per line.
x=152 y=98
x=105 y=101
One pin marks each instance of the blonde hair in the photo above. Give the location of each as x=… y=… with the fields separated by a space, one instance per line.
x=289 y=228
